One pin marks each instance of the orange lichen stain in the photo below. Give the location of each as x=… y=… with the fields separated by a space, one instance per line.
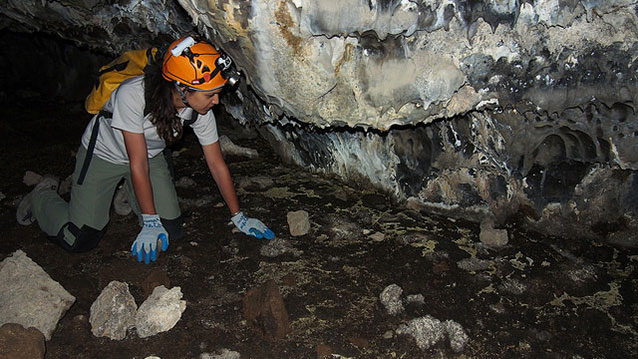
x=285 y=22
x=347 y=55
x=229 y=16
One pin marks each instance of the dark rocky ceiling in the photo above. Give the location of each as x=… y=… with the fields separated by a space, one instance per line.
x=479 y=108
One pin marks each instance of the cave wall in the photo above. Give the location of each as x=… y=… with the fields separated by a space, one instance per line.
x=476 y=108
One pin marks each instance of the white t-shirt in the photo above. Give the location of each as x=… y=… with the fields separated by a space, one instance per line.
x=127 y=106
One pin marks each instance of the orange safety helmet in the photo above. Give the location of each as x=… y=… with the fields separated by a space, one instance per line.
x=197 y=65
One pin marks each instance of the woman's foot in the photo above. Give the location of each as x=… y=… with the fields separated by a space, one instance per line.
x=120 y=202
x=24 y=213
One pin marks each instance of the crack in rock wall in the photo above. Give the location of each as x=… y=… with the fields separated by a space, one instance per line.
x=486 y=108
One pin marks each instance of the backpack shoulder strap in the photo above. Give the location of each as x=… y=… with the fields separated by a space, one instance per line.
x=150 y=58
x=191 y=121
x=91 y=147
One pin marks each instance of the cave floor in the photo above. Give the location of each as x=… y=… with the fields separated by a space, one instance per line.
x=539 y=297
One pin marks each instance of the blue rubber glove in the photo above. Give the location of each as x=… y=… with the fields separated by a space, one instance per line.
x=252 y=226
x=146 y=243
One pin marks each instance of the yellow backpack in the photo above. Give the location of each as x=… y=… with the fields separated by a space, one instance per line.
x=130 y=64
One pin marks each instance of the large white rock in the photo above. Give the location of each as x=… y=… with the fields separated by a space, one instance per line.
x=160 y=311
x=113 y=312
x=28 y=295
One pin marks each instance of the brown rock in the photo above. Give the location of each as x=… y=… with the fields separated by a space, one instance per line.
x=359 y=342
x=289 y=279
x=16 y=342
x=265 y=311
x=155 y=279
x=440 y=267
x=323 y=351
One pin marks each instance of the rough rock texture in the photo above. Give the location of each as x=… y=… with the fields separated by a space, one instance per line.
x=427 y=331
x=456 y=335
x=265 y=311
x=113 y=312
x=28 y=295
x=16 y=342
x=258 y=182
x=492 y=237
x=627 y=239
x=159 y=312
x=418 y=299
x=472 y=107
x=106 y=25
x=473 y=264
x=390 y=297
x=223 y=354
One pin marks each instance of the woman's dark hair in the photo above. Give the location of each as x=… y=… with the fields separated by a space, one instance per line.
x=158 y=94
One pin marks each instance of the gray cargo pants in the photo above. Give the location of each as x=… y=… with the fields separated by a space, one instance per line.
x=79 y=225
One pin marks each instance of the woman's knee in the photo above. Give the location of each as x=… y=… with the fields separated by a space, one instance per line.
x=75 y=239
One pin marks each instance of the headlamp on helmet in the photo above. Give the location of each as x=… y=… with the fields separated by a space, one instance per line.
x=228 y=71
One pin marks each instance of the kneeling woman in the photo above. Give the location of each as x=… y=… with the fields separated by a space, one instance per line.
x=126 y=140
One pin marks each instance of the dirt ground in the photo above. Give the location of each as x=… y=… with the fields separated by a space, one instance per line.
x=538 y=297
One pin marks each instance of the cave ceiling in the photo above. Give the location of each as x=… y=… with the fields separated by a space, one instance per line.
x=379 y=63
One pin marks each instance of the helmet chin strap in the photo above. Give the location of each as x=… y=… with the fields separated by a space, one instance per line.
x=182 y=94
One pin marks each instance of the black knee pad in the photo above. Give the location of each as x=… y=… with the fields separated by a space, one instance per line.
x=174 y=227
x=86 y=238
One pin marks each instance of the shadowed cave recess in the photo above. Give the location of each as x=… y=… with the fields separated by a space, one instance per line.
x=473 y=109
